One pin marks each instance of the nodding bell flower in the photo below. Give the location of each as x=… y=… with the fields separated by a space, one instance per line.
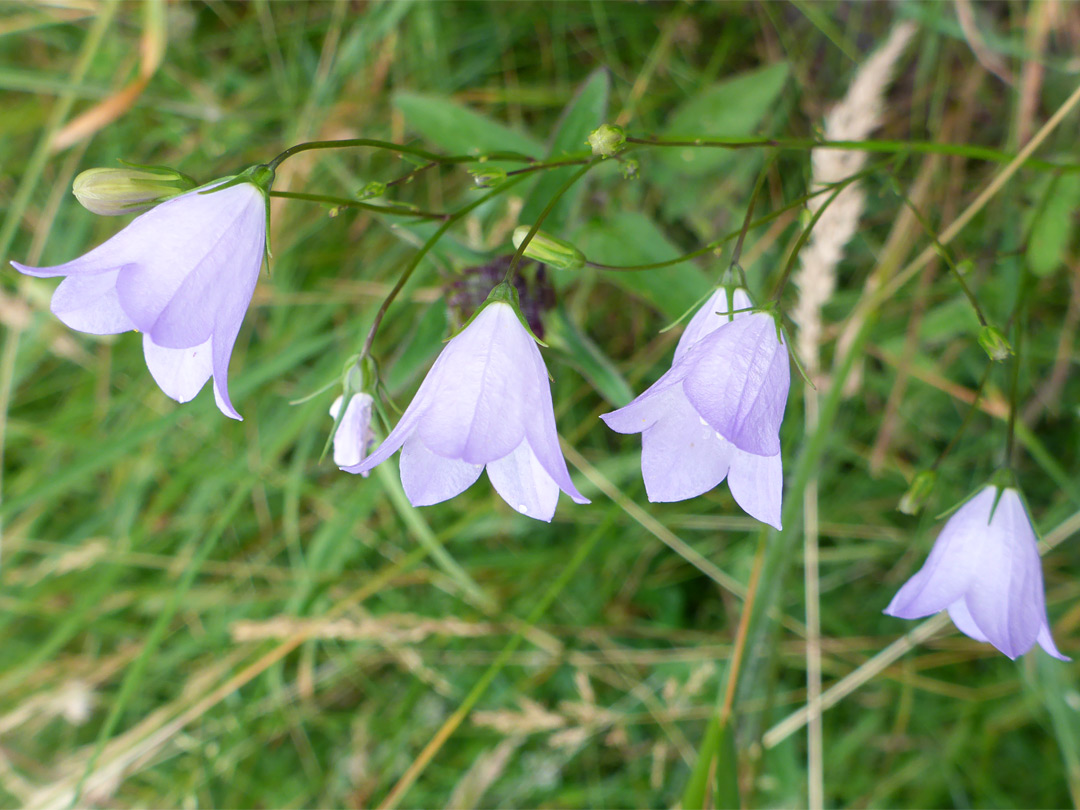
x=485 y=403
x=353 y=438
x=985 y=570
x=716 y=413
x=182 y=274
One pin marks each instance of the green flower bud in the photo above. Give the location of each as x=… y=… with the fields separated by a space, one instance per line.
x=995 y=345
x=488 y=177
x=607 y=140
x=549 y=249
x=630 y=168
x=922 y=485
x=113 y=192
x=372 y=189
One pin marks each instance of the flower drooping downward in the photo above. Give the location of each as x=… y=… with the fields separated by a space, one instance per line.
x=485 y=403
x=716 y=413
x=182 y=274
x=353 y=438
x=985 y=570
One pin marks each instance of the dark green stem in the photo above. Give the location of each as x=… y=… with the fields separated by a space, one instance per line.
x=543 y=215
x=711 y=246
x=944 y=253
x=794 y=257
x=351 y=143
x=967 y=417
x=886 y=147
x=423 y=251
x=345 y=202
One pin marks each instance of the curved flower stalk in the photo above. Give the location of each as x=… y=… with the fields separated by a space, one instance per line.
x=716 y=413
x=182 y=274
x=485 y=403
x=985 y=570
x=353 y=438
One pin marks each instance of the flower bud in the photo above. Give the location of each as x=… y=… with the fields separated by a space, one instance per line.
x=549 y=249
x=630 y=168
x=113 y=192
x=372 y=189
x=917 y=494
x=488 y=177
x=607 y=140
x=995 y=345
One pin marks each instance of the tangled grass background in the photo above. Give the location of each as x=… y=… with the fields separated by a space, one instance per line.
x=195 y=612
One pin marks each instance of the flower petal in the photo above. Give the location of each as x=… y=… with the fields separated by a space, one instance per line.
x=180 y=373
x=197 y=230
x=965 y=623
x=1046 y=641
x=648 y=407
x=486 y=386
x=954 y=562
x=89 y=303
x=681 y=455
x=524 y=484
x=757 y=484
x=353 y=434
x=711 y=315
x=428 y=478
x=541 y=432
x=1006 y=599
x=738 y=380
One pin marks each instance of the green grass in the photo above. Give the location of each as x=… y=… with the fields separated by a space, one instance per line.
x=198 y=612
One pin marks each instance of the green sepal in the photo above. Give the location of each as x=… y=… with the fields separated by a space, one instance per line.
x=502 y=293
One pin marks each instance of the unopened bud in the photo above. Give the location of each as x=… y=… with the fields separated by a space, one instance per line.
x=630 y=168
x=607 y=140
x=917 y=494
x=372 y=189
x=113 y=192
x=488 y=177
x=549 y=249
x=995 y=345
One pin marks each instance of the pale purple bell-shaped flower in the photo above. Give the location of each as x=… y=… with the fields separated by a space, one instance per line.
x=716 y=413
x=353 y=438
x=182 y=274
x=485 y=403
x=985 y=570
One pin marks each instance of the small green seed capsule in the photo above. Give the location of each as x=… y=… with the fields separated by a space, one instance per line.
x=607 y=140
x=995 y=345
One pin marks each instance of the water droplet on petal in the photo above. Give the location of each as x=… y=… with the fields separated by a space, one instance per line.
x=721 y=438
x=702 y=420
x=523 y=509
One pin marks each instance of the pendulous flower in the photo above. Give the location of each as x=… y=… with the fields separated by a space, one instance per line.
x=182 y=274
x=716 y=413
x=985 y=570
x=353 y=438
x=485 y=403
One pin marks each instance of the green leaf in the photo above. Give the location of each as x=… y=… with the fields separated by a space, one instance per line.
x=460 y=131
x=585 y=112
x=629 y=238
x=729 y=108
x=1053 y=227
x=562 y=334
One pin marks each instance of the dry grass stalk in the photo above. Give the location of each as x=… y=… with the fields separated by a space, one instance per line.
x=853 y=119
